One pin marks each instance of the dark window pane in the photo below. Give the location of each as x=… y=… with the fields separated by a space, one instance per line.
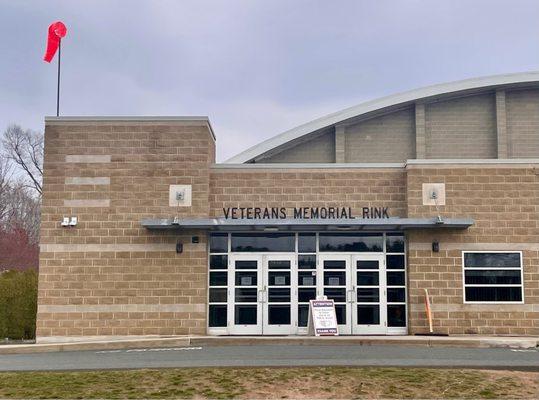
x=368 y=295
x=489 y=276
x=306 y=294
x=303 y=315
x=506 y=260
x=246 y=278
x=340 y=310
x=218 y=262
x=395 y=279
x=279 y=295
x=279 y=278
x=395 y=261
x=493 y=294
x=307 y=243
x=396 y=295
x=218 y=279
x=218 y=295
x=278 y=264
x=245 y=315
x=307 y=262
x=334 y=278
x=368 y=315
x=268 y=242
x=334 y=264
x=367 y=264
x=246 y=264
x=367 y=278
x=246 y=295
x=351 y=242
x=394 y=243
x=219 y=243
x=279 y=315
x=338 y=295
x=306 y=279
x=396 y=315
x=217 y=316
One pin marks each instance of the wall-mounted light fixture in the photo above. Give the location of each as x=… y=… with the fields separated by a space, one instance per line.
x=435 y=247
x=179 y=247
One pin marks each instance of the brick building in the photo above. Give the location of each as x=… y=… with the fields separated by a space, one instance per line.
x=437 y=189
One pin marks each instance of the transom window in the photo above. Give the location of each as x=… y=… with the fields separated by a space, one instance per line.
x=493 y=277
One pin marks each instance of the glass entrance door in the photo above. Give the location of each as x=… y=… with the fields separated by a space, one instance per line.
x=368 y=305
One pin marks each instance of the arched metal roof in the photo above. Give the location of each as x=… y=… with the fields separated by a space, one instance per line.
x=429 y=92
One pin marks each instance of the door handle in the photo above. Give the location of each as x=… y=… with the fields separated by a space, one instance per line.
x=350 y=294
x=261 y=296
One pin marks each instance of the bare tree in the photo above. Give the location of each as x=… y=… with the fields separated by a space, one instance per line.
x=5 y=177
x=25 y=149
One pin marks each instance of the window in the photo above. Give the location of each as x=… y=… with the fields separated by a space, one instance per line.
x=218 y=280
x=338 y=242
x=263 y=242
x=493 y=277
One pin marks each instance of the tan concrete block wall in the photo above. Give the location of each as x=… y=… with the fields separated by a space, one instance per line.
x=108 y=275
x=388 y=138
x=461 y=128
x=354 y=188
x=522 y=109
x=320 y=149
x=504 y=202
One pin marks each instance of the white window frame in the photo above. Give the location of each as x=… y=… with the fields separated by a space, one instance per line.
x=464 y=285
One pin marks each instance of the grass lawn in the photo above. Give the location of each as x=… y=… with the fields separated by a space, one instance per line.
x=275 y=383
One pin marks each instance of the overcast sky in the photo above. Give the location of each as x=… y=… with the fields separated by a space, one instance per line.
x=256 y=68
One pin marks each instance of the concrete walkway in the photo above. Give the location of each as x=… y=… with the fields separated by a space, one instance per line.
x=133 y=342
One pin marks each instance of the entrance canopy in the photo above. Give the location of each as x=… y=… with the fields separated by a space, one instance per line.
x=318 y=224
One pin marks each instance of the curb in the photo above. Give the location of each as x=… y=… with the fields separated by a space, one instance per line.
x=214 y=341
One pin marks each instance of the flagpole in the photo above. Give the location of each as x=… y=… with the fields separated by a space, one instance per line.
x=58 y=87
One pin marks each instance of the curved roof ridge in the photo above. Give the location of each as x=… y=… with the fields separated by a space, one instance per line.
x=381 y=103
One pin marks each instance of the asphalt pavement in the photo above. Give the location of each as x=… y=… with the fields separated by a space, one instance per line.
x=275 y=355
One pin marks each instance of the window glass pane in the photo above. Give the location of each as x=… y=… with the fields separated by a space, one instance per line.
x=245 y=315
x=306 y=279
x=506 y=260
x=489 y=276
x=396 y=315
x=368 y=315
x=394 y=243
x=246 y=278
x=368 y=295
x=338 y=295
x=395 y=278
x=246 y=295
x=396 y=295
x=367 y=264
x=493 y=294
x=279 y=278
x=351 y=242
x=218 y=278
x=217 y=316
x=278 y=264
x=306 y=294
x=395 y=261
x=280 y=295
x=340 y=310
x=218 y=295
x=307 y=243
x=267 y=242
x=307 y=262
x=367 y=278
x=218 y=262
x=303 y=315
x=246 y=264
x=279 y=315
x=334 y=278
x=219 y=243
x=334 y=264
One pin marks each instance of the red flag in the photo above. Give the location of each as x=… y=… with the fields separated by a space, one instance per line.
x=57 y=31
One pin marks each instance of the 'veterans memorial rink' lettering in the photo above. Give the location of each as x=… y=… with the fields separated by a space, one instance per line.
x=303 y=213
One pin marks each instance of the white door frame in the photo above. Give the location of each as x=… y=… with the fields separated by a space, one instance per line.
x=381 y=327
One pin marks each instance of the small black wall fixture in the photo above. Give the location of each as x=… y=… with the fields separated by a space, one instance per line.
x=194 y=239
x=435 y=247
x=179 y=247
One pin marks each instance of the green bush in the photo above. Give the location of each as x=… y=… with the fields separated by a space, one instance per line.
x=18 y=304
